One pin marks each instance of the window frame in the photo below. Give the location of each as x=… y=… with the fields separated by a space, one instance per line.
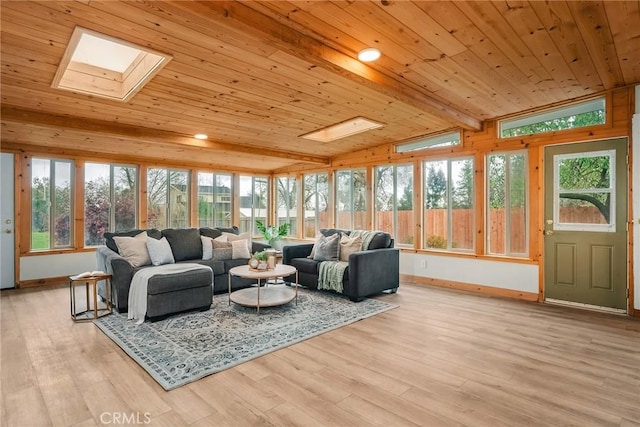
x=351 y=197
x=213 y=220
x=316 y=204
x=449 y=199
x=551 y=114
x=508 y=252
x=52 y=204
x=396 y=196
x=112 y=197
x=168 y=207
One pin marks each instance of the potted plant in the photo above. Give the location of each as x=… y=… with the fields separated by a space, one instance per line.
x=273 y=234
x=262 y=257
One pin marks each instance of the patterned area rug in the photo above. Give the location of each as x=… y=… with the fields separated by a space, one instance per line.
x=187 y=347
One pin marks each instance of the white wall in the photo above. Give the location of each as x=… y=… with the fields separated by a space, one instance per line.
x=498 y=274
x=636 y=200
x=42 y=266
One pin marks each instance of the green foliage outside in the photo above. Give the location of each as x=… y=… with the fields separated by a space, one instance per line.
x=563 y=123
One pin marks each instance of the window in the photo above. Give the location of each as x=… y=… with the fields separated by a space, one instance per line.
x=434 y=141
x=584 y=191
x=287 y=202
x=449 y=205
x=351 y=199
x=254 y=197
x=507 y=230
x=167 y=198
x=110 y=200
x=578 y=115
x=214 y=200
x=394 y=202
x=51 y=203
x=316 y=201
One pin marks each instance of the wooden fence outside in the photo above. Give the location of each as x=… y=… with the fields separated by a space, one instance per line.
x=435 y=221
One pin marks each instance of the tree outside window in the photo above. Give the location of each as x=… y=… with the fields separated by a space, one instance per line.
x=167 y=198
x=110 y=200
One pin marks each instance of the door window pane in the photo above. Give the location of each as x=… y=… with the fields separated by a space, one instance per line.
x=254 y=196
x=584 y=199
x=394 y=202
x=287 y=203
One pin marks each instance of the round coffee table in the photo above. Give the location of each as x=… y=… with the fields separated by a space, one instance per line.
x=269 y=296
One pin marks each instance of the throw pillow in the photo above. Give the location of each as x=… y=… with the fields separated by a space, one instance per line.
x=160 y=251
x=231 y=237
x=207 y=247
x=218 y=244
x=349 y=245
x=327 y=248
x=313 y=249
x=134 y=249
x=240 y=249
x=185 y=243
x=222 y=254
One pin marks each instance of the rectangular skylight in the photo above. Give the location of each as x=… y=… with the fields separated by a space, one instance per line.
x=99 y=65
x=343 y=129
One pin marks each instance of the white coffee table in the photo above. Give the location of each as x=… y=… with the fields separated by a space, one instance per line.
x=270 y=295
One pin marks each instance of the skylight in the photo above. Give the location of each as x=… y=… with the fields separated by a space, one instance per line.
x=107 y=67
x=343 y=129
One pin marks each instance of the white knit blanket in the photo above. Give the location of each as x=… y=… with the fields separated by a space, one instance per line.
x=140 y=282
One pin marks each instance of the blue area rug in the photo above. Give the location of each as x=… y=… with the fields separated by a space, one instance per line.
x=187 y=347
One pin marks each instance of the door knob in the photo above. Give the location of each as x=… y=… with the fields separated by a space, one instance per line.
x=548 y=232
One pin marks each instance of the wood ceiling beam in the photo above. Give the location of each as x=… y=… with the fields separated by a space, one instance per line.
x=10 y=113
x=237 y=16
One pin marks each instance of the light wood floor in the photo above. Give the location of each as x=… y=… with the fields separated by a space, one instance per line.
x=442 y=358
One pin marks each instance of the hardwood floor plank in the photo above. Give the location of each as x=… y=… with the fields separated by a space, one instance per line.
x=443 y=357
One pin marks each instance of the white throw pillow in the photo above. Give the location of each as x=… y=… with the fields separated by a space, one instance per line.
x=160 y=251
x=207 y=247
x=240 y=249
x=237 y=237
x=134 y=249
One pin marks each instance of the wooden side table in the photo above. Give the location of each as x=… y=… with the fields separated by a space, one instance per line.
x=92 y=311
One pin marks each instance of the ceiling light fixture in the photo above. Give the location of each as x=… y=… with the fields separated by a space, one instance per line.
x=343 y=129
x=369 y=54
x=200 y=136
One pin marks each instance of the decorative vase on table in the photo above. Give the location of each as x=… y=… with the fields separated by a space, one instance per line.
x=276 y=244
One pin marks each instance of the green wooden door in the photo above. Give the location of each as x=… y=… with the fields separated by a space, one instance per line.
x=585 y=259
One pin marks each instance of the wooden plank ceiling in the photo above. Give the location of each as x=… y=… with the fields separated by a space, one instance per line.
x=255 y=76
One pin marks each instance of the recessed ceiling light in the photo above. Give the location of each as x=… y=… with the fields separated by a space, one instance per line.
x=369 y=54
x=343 y=129
x=200 y=136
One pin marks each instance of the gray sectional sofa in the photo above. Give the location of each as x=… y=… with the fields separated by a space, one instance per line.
x=370 y=271
x=173 y=293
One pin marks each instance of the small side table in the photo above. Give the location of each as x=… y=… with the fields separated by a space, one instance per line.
x=92 y=312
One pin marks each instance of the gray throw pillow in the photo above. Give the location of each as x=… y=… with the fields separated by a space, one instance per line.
x=185 y=243
x=327 y=248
